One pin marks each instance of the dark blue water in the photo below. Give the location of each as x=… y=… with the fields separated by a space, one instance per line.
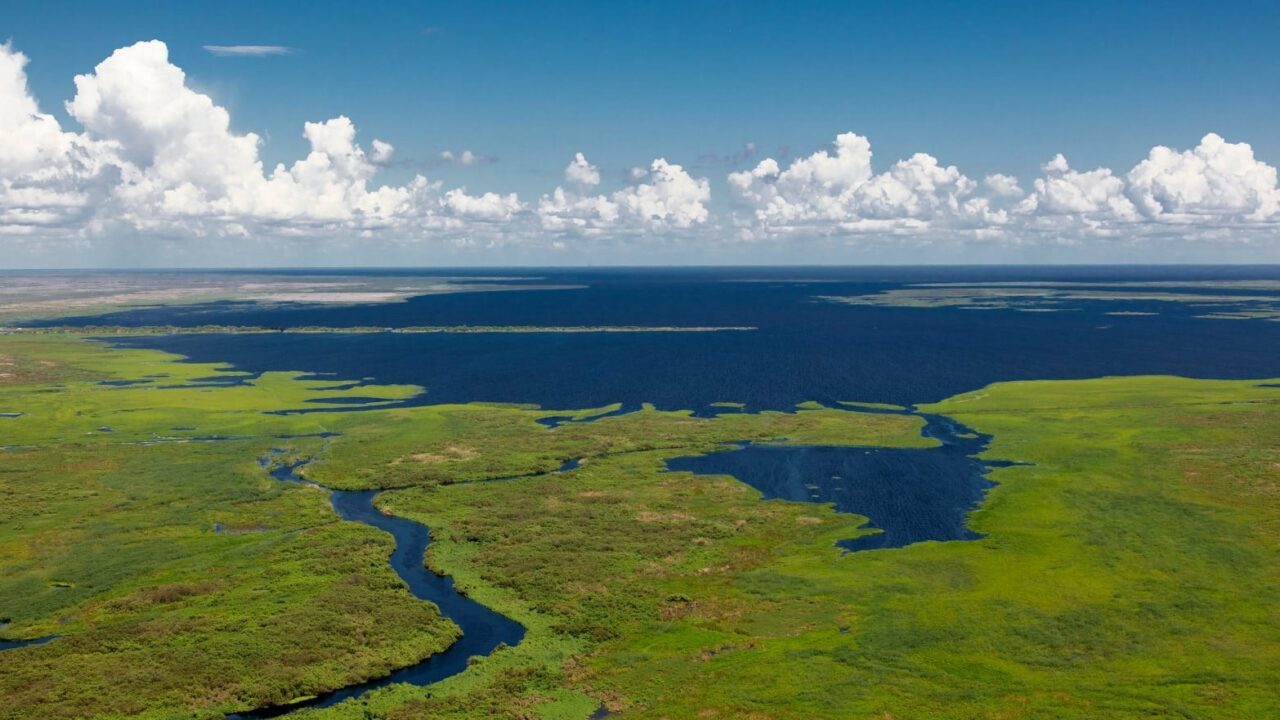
x=483 y=630
x=803 y=349
x=15 y=644
x=909 y=495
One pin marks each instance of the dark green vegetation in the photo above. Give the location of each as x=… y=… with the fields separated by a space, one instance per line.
x=136 y=523
x=107 y=538
x=1130 y=571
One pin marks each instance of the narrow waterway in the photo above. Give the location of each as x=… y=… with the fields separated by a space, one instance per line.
x=483 y=630
x=15 y=644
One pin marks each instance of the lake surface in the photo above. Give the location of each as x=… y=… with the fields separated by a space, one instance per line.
x=803 y=349
x=908 y=494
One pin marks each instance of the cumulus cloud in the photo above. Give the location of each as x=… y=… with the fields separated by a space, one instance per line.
x=666 y=196
x=489 y=206
x=1002 y=185
x=581 y=172
x=32 y=140
x=1216 y=180
x=152 y=157
x=1096 y=193
x=248 y=50
x=156 y=155
x=380 y=152
x=180 y=162
x=661 y=198
x=838 y=192
x=48 y=178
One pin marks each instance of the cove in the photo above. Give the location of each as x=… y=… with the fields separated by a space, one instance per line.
x=483 y=630
x=909 y=495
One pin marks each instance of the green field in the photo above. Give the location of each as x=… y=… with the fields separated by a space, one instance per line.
x=1129 y=570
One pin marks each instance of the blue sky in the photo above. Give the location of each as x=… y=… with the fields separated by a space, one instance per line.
x=989 y=87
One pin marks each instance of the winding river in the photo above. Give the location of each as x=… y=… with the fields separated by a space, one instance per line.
x=483 y=630
x=909 y=495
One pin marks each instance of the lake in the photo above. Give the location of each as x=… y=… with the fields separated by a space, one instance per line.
x=803 y=348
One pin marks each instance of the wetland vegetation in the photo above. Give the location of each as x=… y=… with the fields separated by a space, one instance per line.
x=1127 y=569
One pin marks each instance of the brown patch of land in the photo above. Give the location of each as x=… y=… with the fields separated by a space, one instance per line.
x=40 y=295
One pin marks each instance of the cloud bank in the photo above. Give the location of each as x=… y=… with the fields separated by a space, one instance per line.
x=1196 y=194
x=153 y=157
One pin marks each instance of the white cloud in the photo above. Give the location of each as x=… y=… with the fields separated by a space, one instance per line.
x=380 y=152
x=153 y=157
x=668 y=196
x=581 y=172
x=48 y=177
x=1096 y=194
x=489 y=206
x=466 y=158
x=838 y=193
x=181 y=170
x=1212 y=181
x=566 y=210
x=248 y=50
x=1003 y=185
x=165 y=160
x=32 y=140
x=662 y=198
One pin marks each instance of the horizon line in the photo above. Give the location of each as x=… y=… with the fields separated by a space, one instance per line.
x=750 y=266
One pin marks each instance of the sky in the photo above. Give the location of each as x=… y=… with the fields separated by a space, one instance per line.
x=480 y=133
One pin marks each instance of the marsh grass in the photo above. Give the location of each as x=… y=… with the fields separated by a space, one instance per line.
x=1128 y=570
x=137 y=524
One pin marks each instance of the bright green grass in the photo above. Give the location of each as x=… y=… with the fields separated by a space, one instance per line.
x=1130 y=571
x=111 y=545
x=109 y=503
